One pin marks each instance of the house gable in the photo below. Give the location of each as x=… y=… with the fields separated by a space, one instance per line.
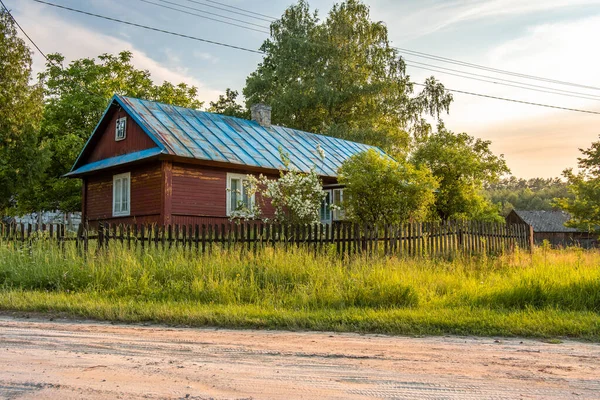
x=103 y=144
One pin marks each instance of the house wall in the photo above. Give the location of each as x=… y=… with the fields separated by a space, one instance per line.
x=199 y=194
x=163 y=192
x=513 y=218
x=146 y=195
x=565 y=239
x=106 y=146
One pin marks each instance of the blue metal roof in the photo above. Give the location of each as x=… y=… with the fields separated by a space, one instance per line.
x=202 y=135
x=114 y=161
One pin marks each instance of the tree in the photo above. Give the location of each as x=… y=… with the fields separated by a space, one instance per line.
x=342 y=78
x=526 y=194
x=21 y=105
x=584 y=206
x=76 y=97
x=462 y=165
x=227 y=105
x=380 y=190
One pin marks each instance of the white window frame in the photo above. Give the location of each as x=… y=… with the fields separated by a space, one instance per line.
x=126 y=177
x=242 y=178
x=338 y=214
x=124 y=121
x=328 y=205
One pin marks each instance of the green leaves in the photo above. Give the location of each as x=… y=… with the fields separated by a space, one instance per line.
x=584 y=205
x=379 y=190
x=76 y=97
x=21 y=155
x=227 y=105
x=462 y=165
x=342 y=78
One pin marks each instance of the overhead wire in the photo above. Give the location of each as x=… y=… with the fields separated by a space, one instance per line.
x=241 y=9
x=497 y=78
x=149 y=27
x=50 y=61
x=495 y=70
x=261 y=52
x=424 y=66
x=234 y=12
x=209 y=13
x=505 y=84
x=432 y=56
x=513 y=100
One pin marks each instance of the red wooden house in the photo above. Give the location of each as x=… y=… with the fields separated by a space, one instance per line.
x=148 y=162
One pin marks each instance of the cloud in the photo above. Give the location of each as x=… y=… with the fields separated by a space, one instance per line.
x=206 y=57
x=537 y=141
x=54 y=34
x=426 y=17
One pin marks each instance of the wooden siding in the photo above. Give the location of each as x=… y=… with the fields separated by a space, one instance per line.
x=145 y=195
x=106 y=146
x=200 y=192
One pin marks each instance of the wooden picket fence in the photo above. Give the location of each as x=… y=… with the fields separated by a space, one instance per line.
x=412 y=239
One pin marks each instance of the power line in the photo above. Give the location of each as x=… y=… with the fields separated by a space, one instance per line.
x=149 y=27
x=42 y=53
x=505 y=84
x=497 y=79
x=26 y=35
x=425 y=66
x=241 y=9
x=261 y=52
x=234 y=12
x=209 y=13
x=496 y=70
x=514 y=101
x=439 y=58
x=429 y=56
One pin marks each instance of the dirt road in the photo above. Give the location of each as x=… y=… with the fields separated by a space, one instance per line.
x=72 y=360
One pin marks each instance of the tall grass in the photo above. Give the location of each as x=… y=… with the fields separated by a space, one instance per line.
x=550 y=285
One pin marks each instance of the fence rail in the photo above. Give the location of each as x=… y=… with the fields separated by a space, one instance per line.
x=411 y=239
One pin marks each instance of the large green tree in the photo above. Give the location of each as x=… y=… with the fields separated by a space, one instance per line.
x=21 y=157
x=341 y=77
x=584 y=206
x=462 y=165
x=76 y=96
x=380 y=190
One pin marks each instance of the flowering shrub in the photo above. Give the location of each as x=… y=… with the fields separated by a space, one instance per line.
x=296 y=196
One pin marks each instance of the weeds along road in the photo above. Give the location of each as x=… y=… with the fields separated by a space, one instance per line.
x=41 y=359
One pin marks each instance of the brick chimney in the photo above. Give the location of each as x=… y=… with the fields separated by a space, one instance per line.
x=261 y=113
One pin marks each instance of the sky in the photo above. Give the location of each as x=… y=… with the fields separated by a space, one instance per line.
x=555 y=39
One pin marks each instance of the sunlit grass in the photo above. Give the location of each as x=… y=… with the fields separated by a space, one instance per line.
x=549 y=293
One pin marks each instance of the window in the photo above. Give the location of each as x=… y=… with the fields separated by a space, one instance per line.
x=338 y=199
x=326 y=207
x=238 y=198
x=121 y=194
x=121 y=129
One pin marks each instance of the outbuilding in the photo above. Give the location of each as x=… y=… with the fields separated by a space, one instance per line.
x=148 y=162
x=550 y=226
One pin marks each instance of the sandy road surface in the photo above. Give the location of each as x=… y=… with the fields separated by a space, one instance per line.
x=71 y=360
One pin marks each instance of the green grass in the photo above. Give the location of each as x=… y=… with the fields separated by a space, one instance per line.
x=552 y=293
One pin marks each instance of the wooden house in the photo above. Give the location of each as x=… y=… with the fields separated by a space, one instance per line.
x=550 y=226
x=148 y=162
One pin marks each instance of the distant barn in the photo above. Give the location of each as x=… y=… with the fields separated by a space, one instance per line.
x=550 y=226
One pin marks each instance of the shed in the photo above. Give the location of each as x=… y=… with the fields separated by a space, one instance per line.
x=148 y=162
x=550 y=226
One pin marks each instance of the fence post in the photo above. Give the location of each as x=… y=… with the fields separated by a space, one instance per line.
x=100 y=234
x=530 y=238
